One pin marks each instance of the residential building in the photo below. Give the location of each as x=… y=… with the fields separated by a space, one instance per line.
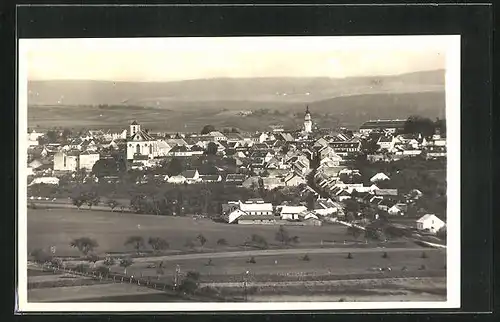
x=291 y=212
x=379 y=177
x=390 y=126
x=66 y=161
x=256 y=207
x=431 y=223
x=191 y=176
x=45 y=180
x=345 y=147
x=88 y=159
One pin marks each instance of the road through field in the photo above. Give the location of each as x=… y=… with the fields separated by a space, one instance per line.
x=273 y=252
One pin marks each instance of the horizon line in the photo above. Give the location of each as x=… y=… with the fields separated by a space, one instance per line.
x=235 y=78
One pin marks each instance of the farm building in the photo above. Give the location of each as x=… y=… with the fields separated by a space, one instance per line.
x=291 y=212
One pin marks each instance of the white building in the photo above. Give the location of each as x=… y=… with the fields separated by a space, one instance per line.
x=45 y=180
x=307 y=121
x=431 y=223
x=291 y=212
x=141 y=143
x=66 y=161
x=256 y=207
x=88 y=159
x=379 y=177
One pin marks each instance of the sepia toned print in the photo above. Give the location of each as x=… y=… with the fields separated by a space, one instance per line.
x=266 y=170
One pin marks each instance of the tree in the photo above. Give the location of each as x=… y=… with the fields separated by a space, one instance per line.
x=282 y=236
x=78 y=201
x=259 y=241
x=354 y=231
x=125 y=263
x=93 y=258
x=136 y=241
x=84 y=244
x=211 y=148
x=222 y=242
x=175 y=167
x=158 y=243
x=419 y=125
x=441 y=233
x=92 y=199
x=52 y=136
x=189 y=243
x=207 y=129
x=306 y=258
x=201 y=239
x=190 y=283
x=251 y=260
x=235 y=130
x=385 y=255
x=109 y=261
x=41 y=256
x=112 y=204
x=349 y=256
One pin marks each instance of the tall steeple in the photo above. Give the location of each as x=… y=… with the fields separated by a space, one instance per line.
x=307 y=121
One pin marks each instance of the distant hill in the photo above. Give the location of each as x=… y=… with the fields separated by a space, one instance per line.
x=275 y=90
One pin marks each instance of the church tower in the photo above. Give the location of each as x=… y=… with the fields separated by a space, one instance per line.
x=307 y=121
x=134 y=128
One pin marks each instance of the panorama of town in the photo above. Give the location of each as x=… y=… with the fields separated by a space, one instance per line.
x=224 y=215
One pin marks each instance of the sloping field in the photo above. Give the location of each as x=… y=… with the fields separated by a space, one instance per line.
x=58 y=227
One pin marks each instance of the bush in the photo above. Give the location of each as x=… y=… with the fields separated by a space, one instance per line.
x=385 y=255
x=222 y=242
x=103 y=270
x=190 y=283
x=349 y=256
x=306 y=258
x=82 y=268
x=209 y=263
x=422 y=268
x=40 y=256
x=251 y=260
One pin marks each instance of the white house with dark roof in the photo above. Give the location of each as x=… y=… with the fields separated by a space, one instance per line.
x=431 y=223
x=379 y=177
x=256 y=207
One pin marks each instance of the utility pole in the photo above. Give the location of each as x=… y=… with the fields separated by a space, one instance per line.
x=245 y=286
x=176 y=276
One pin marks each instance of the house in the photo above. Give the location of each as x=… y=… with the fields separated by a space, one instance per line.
x=386 y=192
x=293 y=180
x=191 y=176
x=386 y=142
x=211 y=178
x=234 y=215
x=345 y=147
x=180 y=151
x=389 y=126
x=379 y=177
x=259 y=137
x=398 y=209
x=235 y=179
x=217 y=136
x=66 y=161
x=272 y=183
x=45 y=180
x=431 y=223
x=414 y=194
x=256 y=207
x=251 y=183
x=291 y=212
x=179 y=179
x=88 y=159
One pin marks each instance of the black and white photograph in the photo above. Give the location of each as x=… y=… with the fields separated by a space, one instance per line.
x=239 y=173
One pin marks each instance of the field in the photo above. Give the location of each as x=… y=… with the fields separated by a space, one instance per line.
x=57 y=227
x=278 y=273
x=349 y=111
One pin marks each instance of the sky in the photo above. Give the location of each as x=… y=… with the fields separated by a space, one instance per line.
x=171 y=59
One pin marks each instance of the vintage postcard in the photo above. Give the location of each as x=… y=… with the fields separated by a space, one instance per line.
x=239 y=173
